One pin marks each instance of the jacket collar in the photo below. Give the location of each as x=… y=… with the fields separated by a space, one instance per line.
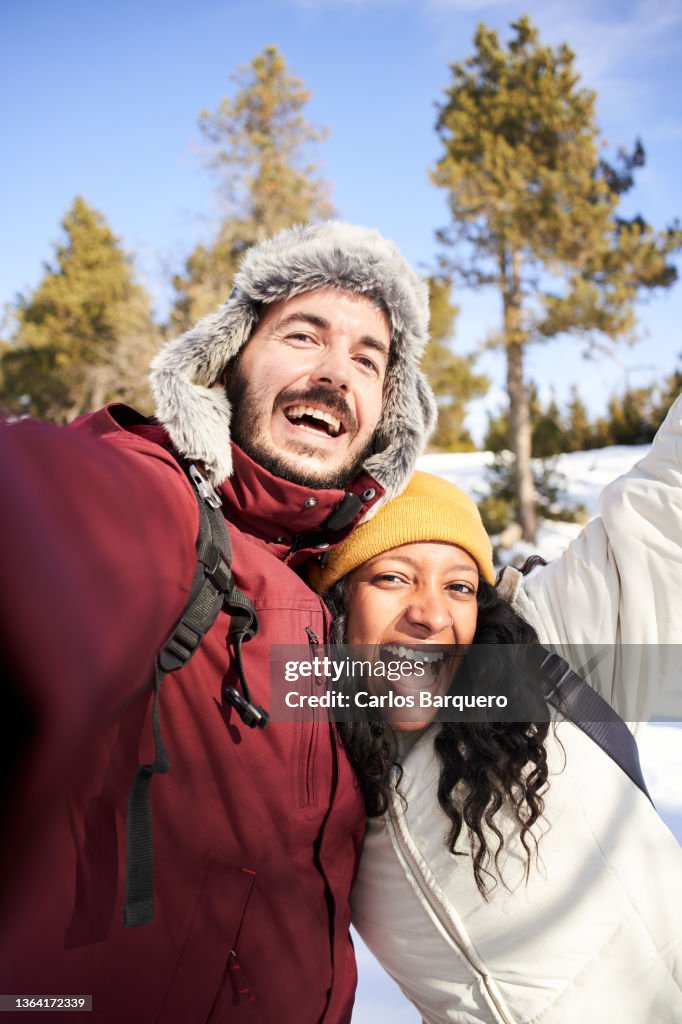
x=293 y=521
x=304 y=521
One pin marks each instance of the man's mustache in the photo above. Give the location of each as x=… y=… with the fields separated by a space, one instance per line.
x=331 y=401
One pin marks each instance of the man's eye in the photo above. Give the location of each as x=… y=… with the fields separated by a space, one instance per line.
x=301 y=336
x=369 y=363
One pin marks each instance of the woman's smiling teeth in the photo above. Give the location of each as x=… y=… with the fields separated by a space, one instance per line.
x=321 y=419
x=411 y=654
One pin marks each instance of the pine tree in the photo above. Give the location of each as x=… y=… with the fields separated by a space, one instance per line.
x=548 y=435
x=208 y=271
x=496 y=438
x=671 y=388
x=257 y=146
x=631 y=417
x=534 y=211
x=579 y=432
x=451 y=376
x=85 y=335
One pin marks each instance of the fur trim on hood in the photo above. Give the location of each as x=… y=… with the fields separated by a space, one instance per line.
x=331 y=255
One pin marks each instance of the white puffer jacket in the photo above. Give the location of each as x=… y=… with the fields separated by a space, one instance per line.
x=596 y=932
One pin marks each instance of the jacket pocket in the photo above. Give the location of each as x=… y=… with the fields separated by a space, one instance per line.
x=206 y=963
x=307 y=787
x=310 y=734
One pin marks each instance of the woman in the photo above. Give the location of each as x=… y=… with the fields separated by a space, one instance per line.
x=511 y=872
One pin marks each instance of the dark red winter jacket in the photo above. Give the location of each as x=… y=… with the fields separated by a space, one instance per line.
x=256 y=832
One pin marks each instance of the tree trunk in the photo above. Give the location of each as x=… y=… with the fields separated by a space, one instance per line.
x=521 y=436
x=519 y=408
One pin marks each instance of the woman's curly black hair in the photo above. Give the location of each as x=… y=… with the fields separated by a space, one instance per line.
x=484 y=767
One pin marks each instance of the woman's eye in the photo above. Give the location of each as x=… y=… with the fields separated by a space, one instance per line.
x=463 y=588
x=388 y=577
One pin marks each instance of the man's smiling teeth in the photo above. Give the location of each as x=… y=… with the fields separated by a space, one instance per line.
x=412 y=655
x=297 y=412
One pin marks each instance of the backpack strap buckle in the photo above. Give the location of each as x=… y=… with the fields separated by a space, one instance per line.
x=252 y=715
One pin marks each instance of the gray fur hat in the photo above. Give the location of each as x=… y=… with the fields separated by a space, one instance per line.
x=330 y=255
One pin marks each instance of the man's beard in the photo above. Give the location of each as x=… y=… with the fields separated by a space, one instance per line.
x=248 y=405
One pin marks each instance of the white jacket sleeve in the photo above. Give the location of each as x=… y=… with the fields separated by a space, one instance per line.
x=615 y=595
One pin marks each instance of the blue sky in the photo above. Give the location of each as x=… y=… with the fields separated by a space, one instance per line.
x=104 y=101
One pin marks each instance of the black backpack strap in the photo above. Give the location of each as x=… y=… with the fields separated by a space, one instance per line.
x=565 y=690
x=212 y=587
x=139 y=901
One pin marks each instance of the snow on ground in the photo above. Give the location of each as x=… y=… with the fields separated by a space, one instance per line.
x=660 y=752
x=586 y=473
x=379 y=999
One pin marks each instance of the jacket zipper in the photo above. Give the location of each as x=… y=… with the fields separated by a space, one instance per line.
x=313 y=641
x=233 y=987
x=238 y=980
x=494 y=999
x=309 y=738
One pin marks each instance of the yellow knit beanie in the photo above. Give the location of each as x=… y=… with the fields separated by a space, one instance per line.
x=429 y=508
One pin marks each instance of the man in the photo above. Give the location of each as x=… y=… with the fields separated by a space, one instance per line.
x=312 y=363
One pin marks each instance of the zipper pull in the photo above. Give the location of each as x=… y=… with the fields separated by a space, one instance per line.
x=237 y=976
x=313 y=644
x=204 y=488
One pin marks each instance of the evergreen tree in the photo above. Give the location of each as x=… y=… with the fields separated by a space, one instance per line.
x=672 y=387
x=547 y=429
x=634 y=416
x=579 y=430
x=631 y=417
x=496 y=438
x=548 y=436
x=534 y=211
x=85 y=335
x=451 y=376
x=258 y=141
x=499 y=506
x=208 y=271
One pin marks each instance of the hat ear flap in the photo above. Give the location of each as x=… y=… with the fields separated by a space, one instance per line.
x=407 y=421
x=427 y=401
x=194 y=411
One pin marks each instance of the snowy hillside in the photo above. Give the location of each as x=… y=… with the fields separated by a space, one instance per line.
x=586 y=473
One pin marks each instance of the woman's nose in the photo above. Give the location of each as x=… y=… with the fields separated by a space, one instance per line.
x=430 y=613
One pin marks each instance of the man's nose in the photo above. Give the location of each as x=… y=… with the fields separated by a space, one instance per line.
x=333 y=368
x=429 y=612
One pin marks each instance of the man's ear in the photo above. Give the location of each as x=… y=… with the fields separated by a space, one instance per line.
x=228 y=370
